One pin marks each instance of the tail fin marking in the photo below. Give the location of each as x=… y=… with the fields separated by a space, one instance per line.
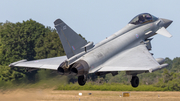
x=70 y=40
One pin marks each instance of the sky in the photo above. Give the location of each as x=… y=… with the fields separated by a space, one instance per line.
x=98 y=19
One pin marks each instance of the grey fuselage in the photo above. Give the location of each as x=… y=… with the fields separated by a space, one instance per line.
x=131 y=35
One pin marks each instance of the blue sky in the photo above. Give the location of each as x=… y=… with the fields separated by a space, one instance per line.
x=98 y=19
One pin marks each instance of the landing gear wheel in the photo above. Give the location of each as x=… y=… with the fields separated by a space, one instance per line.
x=81 y=80
x=135 y=81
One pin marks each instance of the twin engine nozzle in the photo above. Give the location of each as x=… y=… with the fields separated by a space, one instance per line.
x=79 y=68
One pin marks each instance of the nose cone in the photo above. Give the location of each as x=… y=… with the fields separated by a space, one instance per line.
x=166 y=22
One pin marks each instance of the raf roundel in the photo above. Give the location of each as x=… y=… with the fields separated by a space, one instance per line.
x=137 y=36
x=73 y=47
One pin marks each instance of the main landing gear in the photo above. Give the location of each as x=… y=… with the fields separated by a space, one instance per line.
x=135 y=81
x=82 y=80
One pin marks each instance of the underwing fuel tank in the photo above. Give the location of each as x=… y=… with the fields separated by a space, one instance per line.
x=160 y=60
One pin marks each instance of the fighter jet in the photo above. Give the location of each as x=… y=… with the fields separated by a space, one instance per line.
x=126 y=50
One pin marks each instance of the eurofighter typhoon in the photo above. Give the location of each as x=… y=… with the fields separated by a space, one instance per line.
x=126 y=50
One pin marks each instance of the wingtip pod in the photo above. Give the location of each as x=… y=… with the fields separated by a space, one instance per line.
x=158 y=68
x=164 y=32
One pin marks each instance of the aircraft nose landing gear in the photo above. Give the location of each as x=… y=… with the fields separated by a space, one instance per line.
x=135 y=81
x=82 y=80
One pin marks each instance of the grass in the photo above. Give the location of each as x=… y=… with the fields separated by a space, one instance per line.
x=60 y=83
x=109 y=87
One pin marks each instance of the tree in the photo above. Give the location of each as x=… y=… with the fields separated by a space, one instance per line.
x=27 y=40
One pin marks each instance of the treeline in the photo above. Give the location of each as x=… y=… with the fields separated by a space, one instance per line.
x=31 y=40
x=27 y=40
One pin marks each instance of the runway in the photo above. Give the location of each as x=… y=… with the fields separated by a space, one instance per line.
x=56 y=95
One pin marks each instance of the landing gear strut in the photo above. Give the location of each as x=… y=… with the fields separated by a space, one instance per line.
x=82 y=80
x=135 y=81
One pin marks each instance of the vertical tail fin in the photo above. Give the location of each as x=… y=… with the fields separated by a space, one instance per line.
x=70 y=40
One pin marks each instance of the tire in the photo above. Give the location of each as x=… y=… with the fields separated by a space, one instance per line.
x=135 y=81
x=81 y=80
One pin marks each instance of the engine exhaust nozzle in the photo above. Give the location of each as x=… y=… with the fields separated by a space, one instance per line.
x=80 y=68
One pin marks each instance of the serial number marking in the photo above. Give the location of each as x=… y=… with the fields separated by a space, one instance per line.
x=64 y=27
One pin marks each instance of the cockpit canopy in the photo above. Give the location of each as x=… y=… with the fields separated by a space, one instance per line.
x=143 y=18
